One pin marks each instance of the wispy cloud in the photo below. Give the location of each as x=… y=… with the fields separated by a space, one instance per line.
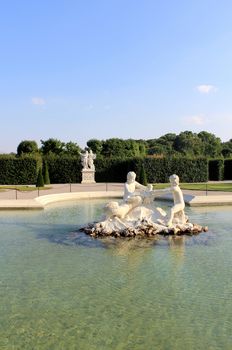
x=195 y=120
x=39 y=101
x=206 y=88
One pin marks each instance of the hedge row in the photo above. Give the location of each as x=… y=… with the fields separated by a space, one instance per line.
x=68 y=169
x=220 y=169
x=189 y=170
x=18 y=171
x=216 y=169
x=64 y=169
x=156 y=169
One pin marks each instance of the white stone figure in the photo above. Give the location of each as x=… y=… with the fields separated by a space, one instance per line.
x=133 y=218
x=114 y=209
x=91 y=158
x=131 y=186
x=84 y=159
x=131 y=198
x=177 y=214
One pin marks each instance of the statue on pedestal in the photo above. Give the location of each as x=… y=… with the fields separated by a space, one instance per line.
x=88 y=170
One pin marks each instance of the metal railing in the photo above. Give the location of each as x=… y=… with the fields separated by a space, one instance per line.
x=16 y=193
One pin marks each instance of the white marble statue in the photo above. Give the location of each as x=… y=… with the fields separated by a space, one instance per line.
x=177 y=214
x=135 y=194
x=91 y=158
x=87 y=159
x=131 y=186
x=84 y=159
x=132 y=217
x=114 y=209
x=133 y=199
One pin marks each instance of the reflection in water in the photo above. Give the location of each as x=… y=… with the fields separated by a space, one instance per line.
x=177 y=248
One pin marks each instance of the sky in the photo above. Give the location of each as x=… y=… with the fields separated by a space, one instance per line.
x=81 y=69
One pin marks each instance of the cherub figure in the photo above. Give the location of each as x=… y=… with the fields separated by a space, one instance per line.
x=177 y=210
x=131 y=186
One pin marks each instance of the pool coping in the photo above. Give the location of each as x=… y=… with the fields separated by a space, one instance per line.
x=39 y=203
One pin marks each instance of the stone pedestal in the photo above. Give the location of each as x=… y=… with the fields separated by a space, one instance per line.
x=88 y=176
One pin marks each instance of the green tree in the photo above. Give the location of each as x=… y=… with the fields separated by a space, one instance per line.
x=72 y=149
x=52 y=146
x=188 y=144
x=95 y=145
x=227 y=149
x=163 y=145
x=142 y=147
x=27 y=147
x=142 y=175
x=46 y=173
x=40 y=181
x=120 y=148
x=131 y=148
x=113 y=148
x=211 y=144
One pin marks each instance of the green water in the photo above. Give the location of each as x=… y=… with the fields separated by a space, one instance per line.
x=60 y=289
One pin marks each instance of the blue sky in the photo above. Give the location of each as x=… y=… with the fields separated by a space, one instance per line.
x=76 y=70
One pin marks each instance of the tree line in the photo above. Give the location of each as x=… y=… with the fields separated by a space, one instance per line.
x=186 y=144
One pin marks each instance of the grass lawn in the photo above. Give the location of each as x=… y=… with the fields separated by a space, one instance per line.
x=226 y=187
x=24 y=188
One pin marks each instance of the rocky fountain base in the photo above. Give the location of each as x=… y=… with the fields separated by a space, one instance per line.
x=142 y=222
x=136 y=216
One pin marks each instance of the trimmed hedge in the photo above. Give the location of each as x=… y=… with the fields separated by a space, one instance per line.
x=46 y=177
x=40 y=180
x=64 y=169
x=216 y=169
x=189 y=170
x=116 y=169
x=18 y=171
x=156 y=169
x=228 y=169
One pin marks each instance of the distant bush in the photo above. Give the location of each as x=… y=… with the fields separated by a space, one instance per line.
x=216 y=169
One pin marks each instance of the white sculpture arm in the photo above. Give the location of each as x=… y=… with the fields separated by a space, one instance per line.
x=161 y=191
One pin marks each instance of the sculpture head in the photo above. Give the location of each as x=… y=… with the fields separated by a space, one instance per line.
x=111 y=209
x=174 y=180
x=131 y=176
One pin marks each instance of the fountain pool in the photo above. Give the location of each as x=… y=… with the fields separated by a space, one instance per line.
x=60 y=289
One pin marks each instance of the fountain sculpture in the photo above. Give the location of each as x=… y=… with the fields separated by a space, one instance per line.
x=136 y=217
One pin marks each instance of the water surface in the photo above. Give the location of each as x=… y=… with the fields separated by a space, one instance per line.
x=60 y=289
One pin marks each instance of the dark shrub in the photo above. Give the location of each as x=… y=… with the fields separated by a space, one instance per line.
x=228 y=169
x=216 y=169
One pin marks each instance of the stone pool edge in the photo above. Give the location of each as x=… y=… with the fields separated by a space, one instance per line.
x=39 y=203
